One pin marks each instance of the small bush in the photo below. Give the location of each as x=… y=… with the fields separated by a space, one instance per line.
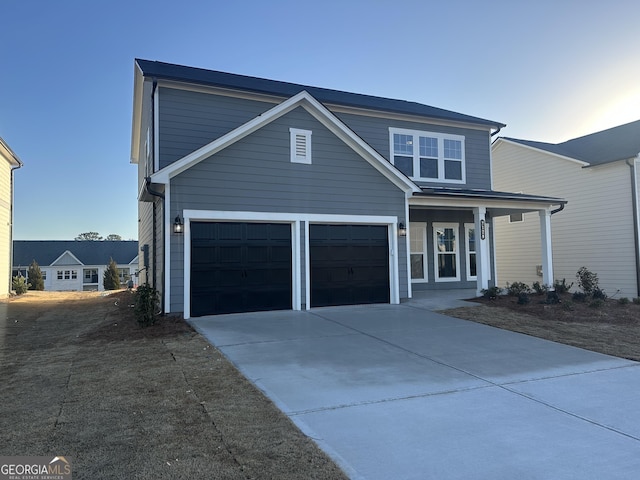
x=523 y=298
x=491 y=293
x=587 y=280
x=597 y=303
x=146 y=305
x=34 y=276
x=579 y=297
x=516 y=288
x=599 y=294
x=20 y=285
x=561 y=286
x=552 y=298
x=540 y=289
x=111 y=278
x=623 y=301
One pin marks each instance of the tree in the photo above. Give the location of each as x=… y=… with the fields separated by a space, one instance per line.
x=111 y=280
x=89 y=236
x=114 y=237
x=34 y=275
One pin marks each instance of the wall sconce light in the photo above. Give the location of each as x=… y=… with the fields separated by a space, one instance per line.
x=177 y=225
x=402 y=230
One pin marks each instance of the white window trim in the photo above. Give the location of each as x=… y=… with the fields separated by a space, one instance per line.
x=297 y=135
x=456 y=227
x=422 y=226
x=467 y=228
x=516 y=221
x=441 y=137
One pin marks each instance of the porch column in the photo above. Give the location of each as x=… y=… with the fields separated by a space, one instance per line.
x=545 y=243
x=482 y=249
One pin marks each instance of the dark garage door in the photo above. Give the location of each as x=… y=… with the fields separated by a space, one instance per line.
x=240 y=267
x=349 y=264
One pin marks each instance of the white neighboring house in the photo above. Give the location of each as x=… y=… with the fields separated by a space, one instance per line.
x=76 y=265
x=8 y=163
x=599 y=229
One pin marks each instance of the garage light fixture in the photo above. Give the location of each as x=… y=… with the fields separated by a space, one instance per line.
x=177 y=225
x=402 y=230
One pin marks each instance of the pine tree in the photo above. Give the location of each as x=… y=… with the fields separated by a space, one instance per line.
x=111 y=280
x=34 y=275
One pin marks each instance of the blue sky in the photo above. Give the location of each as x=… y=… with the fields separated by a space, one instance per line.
x=550 y=69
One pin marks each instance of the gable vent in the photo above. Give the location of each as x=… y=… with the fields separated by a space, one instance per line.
x=300 y=145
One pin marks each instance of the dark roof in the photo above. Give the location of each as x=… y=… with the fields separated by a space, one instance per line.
x=45 y=252
x=485 y=194
x=613 y=144
x=168 y=71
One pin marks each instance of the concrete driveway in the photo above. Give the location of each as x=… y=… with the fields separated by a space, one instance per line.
x=399 y=391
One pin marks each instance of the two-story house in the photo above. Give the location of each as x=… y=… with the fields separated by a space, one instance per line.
x=9 y=162
x=257 y=194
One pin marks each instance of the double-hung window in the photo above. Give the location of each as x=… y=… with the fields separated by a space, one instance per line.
x=428 y=156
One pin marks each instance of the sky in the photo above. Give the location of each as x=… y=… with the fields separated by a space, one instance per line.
x=551 y=70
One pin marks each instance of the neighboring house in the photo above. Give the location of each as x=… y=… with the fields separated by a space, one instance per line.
x=287 y=196
x=599 y=229
x=76 y=265
x=9 y=162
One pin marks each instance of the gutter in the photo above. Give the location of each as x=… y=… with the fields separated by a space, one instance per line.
x=13 y=169
x=636 y=220
x=558 y=210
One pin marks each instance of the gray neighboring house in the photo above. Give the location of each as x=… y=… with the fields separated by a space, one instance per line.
x=76 y=265
x=256 y=194
x=600 y=228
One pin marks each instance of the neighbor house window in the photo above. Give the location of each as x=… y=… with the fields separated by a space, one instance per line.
x=300 y=145
x=446 y=252
x=428 y=156
x=516 y=217
x=60 y=273
x=418 y=244
x=124 y=275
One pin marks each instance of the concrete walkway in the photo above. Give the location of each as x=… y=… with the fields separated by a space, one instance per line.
x=402 y=392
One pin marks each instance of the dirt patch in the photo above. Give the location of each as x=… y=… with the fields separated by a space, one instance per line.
x=82 y=379
x=609 y=327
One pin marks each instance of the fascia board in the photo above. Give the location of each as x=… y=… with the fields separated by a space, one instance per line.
x=465 y=203
x=62 y=255
x=9 y=155
x=498 y=142
x=136 y=121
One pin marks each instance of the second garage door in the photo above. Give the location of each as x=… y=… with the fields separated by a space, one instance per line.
x=349 y=264
x=240 y=267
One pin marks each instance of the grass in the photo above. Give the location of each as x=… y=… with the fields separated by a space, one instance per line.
x=81 y=379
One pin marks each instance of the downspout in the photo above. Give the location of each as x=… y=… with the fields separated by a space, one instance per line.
x=557 y=210
x=636 y=223
x=13 y=168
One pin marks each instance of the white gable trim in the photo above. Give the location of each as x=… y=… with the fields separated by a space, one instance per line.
x=499 y=141
x=62 y=255
x=319 y=112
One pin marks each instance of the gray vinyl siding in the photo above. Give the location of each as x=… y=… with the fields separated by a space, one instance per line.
x=189 y=120
x=447 y=216
x=375 y=131
x=255 y=174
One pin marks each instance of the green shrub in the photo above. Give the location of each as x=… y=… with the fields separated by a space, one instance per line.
x=20 y=285
x=552 y=298
x=599 y=294
x=34 y=274
x=146 y=305
x=491 y=293
x=516 y=288
x=523 y=298
x=623 y=301
x=111 y=278
x=579 y=296
x=587 y=280
x=540 y=289
x=561 y=286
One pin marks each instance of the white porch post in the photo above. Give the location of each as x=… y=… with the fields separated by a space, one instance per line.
x=482 y=249
x=545 y=242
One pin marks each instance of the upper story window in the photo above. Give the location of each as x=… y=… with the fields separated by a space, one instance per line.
x=428 y=156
